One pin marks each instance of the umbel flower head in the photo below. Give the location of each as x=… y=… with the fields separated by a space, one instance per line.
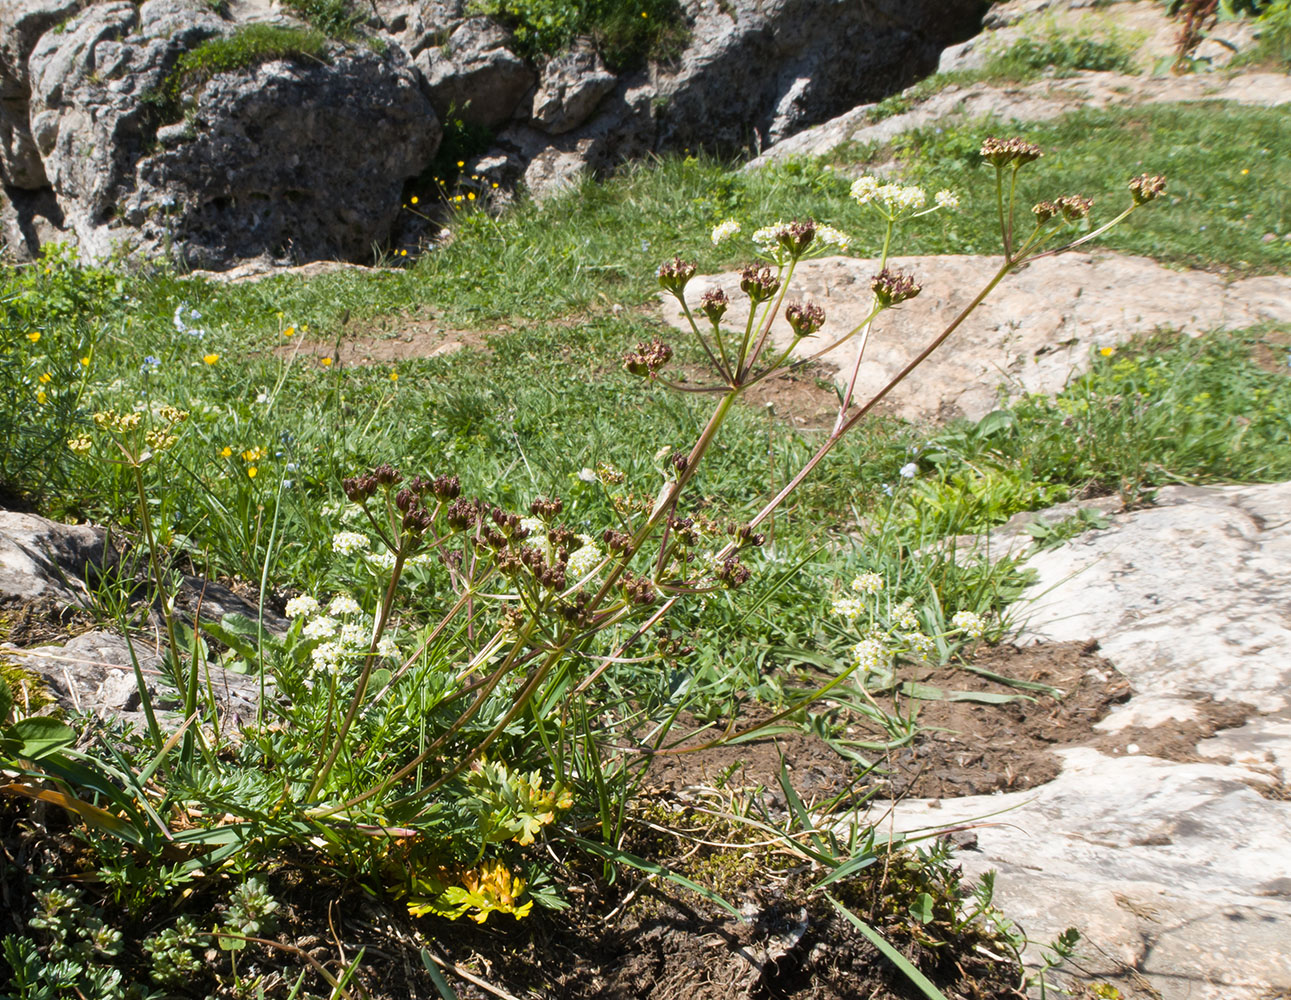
x=1001 y=152
x=648 y=358
x=1145 y=187
x=758 y=283
x=891 y=287
x=674 y=274
x=805 y=318
x=713 y=303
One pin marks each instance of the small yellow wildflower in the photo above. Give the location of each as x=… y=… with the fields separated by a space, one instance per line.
x=34 y=336
x=403 y=253
x=304 y=328
x=1245 y=171
x=226 y=452
x=325 y=362
x=413 y=199
x=460 y=164
x=495 y=184
x=253 y=454
x=470 y=196
x=251 y=472
x=80 y=445
x=85 y=361
x=1107 y=352
x=45 y=379
x=41 y=398
x=210 y=359
x=289 y=332
x=644 y=14
x=394 y=376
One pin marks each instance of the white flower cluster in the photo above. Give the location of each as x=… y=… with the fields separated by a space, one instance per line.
x=904 y=617
x=724 y=231
x=850 y=608
x=867 y=583
x=582 y=560
x=343 y=633
x=972 y=624
x=921 y=645
x=348 y=543
x=897 y=198
x=183 y=317
x=871 y=654
x=766 y=239
x=302 y=606
x=830 y=236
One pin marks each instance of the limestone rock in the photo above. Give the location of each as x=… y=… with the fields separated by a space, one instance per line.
x=286 y=159
x=1034 y=332
x=1177 y=872
x=758 y=71
x=22 y=22
x=1037 y=101
x=42 y=557
x=571 y=86
x=94 y=673
x=476 y=76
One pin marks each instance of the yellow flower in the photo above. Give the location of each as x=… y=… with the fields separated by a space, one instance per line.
x=470 y=196
x=210 y=359
x=80 y=445
x=460 y=164
x=394 y=376
x=325 y=362
x=413 y=199
x=304 y=328
x=644 y=14
x=403 y=253
x=495 y=185
x=85 y=361
x=1107 y=352
x=226 y=452
x=253 y=454
x=41 y=397
x=289 y=332
x=45 y=379
x=34 y=336
x=1245 y=171
x=251 y=472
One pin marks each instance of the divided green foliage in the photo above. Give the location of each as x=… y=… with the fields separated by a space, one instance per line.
x=627 y=32
x=1061 y=53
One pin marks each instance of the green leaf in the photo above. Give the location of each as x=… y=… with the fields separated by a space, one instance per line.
x=927 y=692
x=921 y=908
x=891 y=954
x=40 y=736
x=654 y=868
x=6 y=700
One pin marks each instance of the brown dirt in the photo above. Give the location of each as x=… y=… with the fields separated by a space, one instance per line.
x=963 y=747
x=387 y=339
x=1272 y=352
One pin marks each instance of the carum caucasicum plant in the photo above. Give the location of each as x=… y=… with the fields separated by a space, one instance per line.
x=428 y=758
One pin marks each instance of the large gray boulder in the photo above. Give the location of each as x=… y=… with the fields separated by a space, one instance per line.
x=22 y=22
x=475 y=76
x=753 y=72
x=288 y=159
x=571 y=86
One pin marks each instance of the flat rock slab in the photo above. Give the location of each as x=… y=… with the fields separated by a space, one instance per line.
x=1035 y=331
x=1037 y=101
x=1177 y=873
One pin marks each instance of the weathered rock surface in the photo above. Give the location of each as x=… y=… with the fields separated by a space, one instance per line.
x=1034 y=332
x=1038 y=101
x=571 y=86
x=1178 y=873
x=94 y=672
x=286 y=159
x=299 y=160
x=40 y=557
x=476 y=75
